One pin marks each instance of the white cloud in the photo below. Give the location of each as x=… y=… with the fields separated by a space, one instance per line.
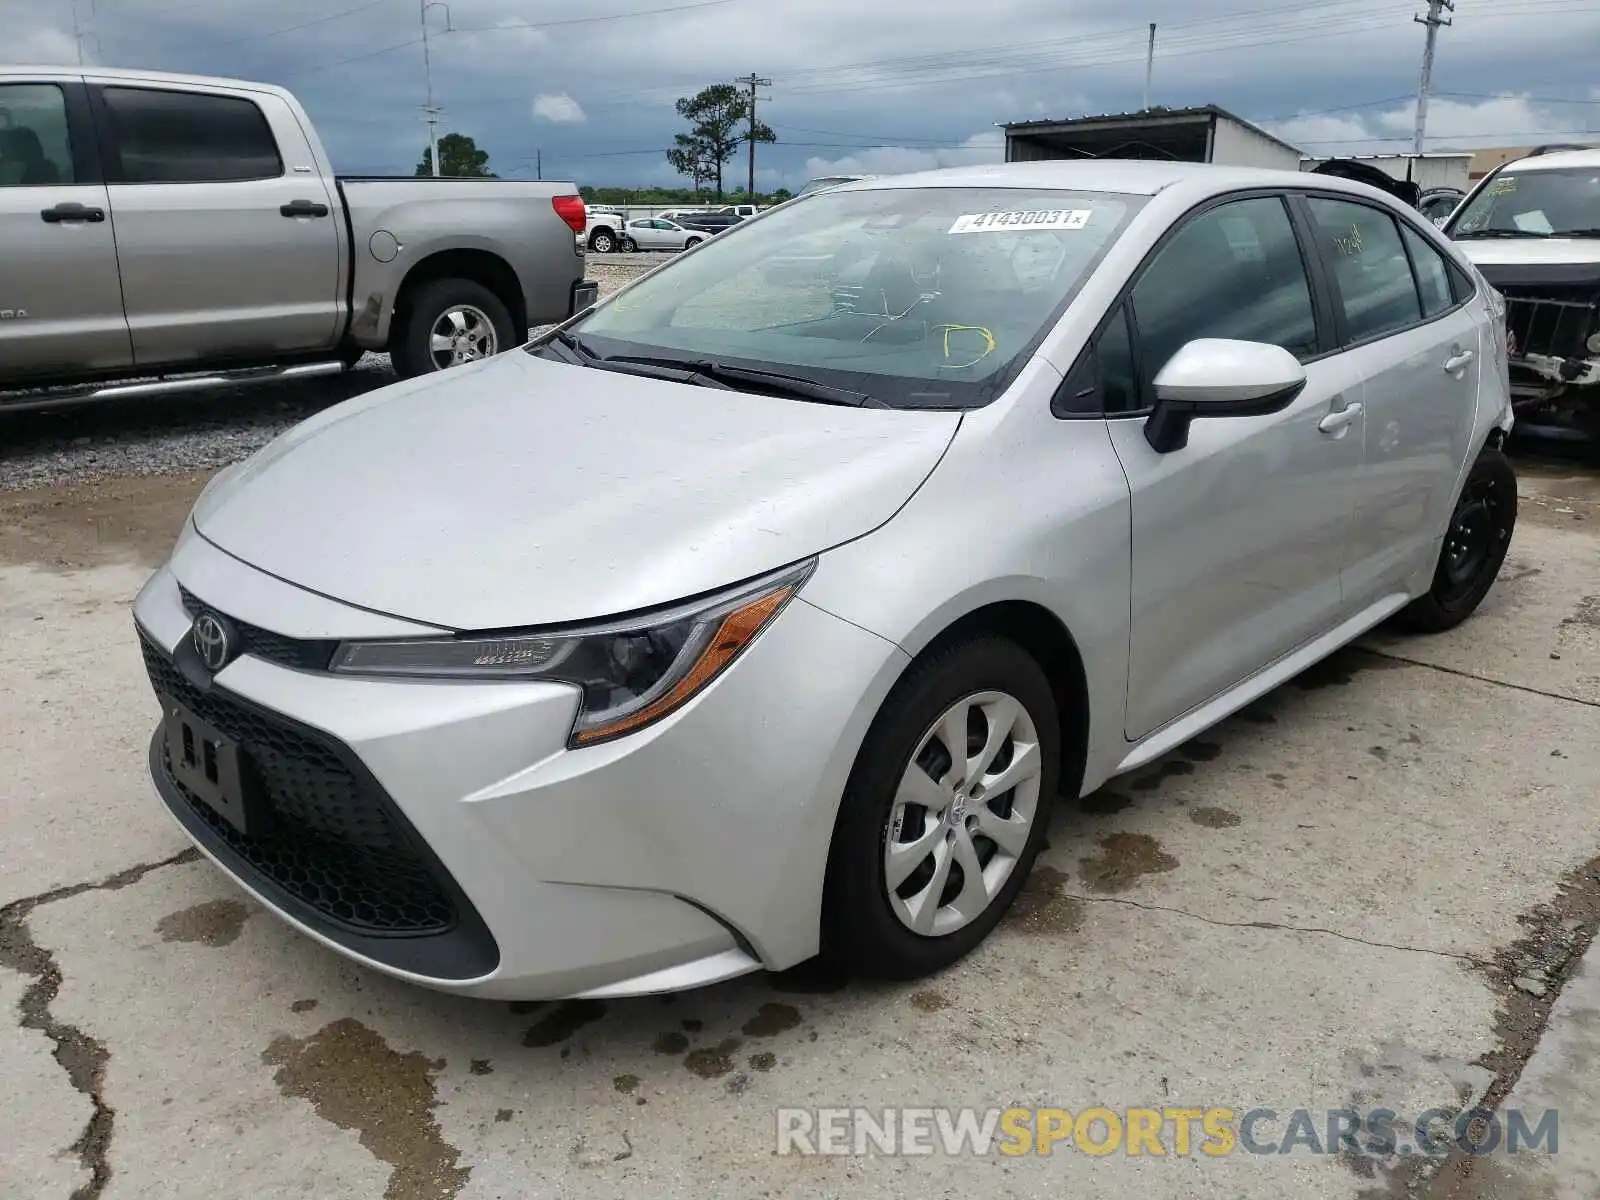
x=560 y=108
x=48 y=47
x=1452 y=124
x=985 y=147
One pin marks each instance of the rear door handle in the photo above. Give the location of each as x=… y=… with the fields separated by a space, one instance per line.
x=1336 y=422
x=72 y=212
x=1459 y=360
x=304 y=208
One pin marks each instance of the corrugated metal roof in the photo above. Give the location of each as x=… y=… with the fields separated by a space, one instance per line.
x=1199 y=110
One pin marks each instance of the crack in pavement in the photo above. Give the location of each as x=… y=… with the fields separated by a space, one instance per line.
x=1470 y=959
x=82 y=1057
x=1460 y=674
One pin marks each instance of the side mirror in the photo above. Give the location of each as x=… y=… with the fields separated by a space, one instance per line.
x=1219 y=377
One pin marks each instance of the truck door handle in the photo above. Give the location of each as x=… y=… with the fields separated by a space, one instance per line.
x=72 y=212
x=1337 y=422
x=1459 y=360
x=304 y=208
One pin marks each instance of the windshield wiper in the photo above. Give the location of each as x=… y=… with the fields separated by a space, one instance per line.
x=772 y=382
x=1499 y=233
x=1579 y=233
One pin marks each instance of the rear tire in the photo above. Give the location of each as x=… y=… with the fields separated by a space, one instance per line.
x=691 y=243
x=1474 y=548
x=485 y=326
x=998 y=700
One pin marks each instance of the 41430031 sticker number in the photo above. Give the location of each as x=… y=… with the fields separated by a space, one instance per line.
x=1014 y=222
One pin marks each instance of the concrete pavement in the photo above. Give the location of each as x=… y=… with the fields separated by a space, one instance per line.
x=1327 y=902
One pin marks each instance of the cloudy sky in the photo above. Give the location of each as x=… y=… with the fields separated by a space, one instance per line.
x=873 y=87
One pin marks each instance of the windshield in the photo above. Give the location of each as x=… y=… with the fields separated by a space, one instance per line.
x=1545 y=203
x=914 y=297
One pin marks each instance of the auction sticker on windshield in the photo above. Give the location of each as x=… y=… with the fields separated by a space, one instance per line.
x=1046 y=218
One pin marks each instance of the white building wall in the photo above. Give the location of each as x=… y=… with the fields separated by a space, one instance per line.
x=1237 y=146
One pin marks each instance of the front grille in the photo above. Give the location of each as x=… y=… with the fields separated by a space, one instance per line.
x=302 y=654
x=334 y=843
x=1553 y=325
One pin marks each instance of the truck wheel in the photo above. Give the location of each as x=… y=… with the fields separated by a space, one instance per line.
x=447 y=323
x=602 y=242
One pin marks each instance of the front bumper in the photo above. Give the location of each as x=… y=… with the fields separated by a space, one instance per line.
x=688 y=853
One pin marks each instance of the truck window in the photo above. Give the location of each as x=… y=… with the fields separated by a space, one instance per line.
x=187 y=137
x=35 y=150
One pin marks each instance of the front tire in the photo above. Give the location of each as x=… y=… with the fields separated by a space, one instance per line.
x=449 y=322
x=691 y=243
x=629 y=246
x=602 y=242
x=1474 y=548
x=944 y=813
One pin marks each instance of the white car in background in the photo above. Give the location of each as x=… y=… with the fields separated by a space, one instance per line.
x=658 y=233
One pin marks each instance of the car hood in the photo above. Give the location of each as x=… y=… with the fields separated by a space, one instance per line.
x=1535 y=261
x=520 y=491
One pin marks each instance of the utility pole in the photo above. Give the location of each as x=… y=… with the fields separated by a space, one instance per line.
x=752 y=81
x=430 y=110
x=1433 y=21
x=1149 y=66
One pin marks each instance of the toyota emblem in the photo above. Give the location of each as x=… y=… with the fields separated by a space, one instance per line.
x=213 y=641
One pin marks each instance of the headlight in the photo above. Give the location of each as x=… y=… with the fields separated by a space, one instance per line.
x=632 y=673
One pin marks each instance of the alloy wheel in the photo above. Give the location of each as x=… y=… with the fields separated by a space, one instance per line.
x=462 y=334
x=962 y=814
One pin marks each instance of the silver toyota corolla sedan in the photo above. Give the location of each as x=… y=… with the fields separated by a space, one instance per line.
x=767 y=608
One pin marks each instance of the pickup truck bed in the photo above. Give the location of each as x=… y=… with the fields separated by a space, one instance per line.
x=159 y=225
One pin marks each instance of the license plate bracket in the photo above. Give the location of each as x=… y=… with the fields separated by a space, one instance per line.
x=211 y=767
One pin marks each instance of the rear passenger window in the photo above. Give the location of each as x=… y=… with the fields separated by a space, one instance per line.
x=1370 y=268
x=1234 y=271
x=188 y=137
x=35 y=150
x=1433 y=277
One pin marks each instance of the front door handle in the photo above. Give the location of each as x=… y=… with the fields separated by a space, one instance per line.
x=72 y=212
x=1338 y=422
x=1459 y=361
x=304 y=208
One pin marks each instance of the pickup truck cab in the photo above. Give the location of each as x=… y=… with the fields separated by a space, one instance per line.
x=157 y=225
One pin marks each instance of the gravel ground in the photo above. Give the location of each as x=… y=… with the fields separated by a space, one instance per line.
x=200 y=431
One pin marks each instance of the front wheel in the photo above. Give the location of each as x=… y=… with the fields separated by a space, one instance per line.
x=447 y=323
x=602 y=242
x=944 y=813
x=629 y=246
x=1474 y=548
x=692 y=243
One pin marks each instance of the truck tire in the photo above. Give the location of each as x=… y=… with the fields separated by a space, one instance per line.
x=603 y=241
x=446 y=323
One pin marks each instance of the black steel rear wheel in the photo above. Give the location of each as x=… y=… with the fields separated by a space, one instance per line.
x=1474 y=549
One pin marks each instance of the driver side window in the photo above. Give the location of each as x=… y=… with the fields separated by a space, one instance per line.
x=1235 y=271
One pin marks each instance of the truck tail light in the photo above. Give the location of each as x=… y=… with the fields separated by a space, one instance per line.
x=571 y=210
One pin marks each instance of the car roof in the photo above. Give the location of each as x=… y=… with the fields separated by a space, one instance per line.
x=1128 y=176
x=1556 y=160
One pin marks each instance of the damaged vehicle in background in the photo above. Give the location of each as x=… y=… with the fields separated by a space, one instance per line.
x=1532 y=228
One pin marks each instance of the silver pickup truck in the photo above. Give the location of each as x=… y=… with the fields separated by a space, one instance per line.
x=163 y=232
